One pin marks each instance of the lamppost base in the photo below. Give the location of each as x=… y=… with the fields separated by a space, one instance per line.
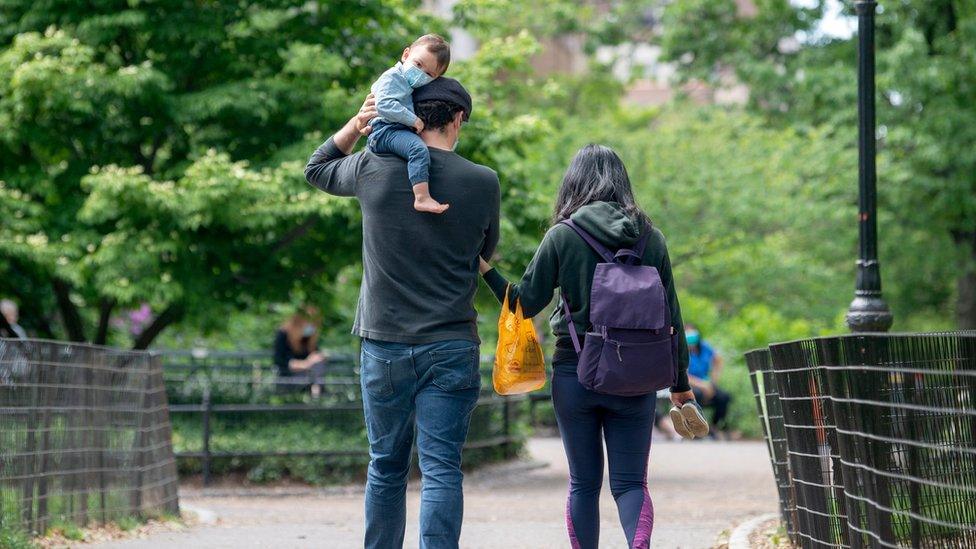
x=869 y=314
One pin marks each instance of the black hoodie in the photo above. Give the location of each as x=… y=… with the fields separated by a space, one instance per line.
x=565 y=261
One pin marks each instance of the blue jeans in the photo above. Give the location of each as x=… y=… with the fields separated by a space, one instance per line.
x=402 y=141
x=433 y=388
x=586 y=421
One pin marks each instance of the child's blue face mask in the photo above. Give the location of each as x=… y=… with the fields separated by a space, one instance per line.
x=415 y=76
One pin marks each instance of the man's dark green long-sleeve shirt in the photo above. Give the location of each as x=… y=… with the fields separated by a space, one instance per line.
x=420 y=270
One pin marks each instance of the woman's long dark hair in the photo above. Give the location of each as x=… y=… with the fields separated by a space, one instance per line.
x=596 y=174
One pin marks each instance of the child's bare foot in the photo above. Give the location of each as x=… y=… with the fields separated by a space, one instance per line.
x=429 y=205
x=423 y=202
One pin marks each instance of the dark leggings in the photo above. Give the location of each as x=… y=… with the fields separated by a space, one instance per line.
x=585 y=419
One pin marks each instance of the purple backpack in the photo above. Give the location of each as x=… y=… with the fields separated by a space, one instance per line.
x=630 y=348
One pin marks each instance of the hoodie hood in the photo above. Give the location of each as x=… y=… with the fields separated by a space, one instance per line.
x=608 y=223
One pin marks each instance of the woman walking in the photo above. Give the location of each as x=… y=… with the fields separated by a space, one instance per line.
x=596 y=196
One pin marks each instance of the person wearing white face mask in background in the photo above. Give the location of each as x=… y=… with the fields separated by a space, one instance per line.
x=296 y=353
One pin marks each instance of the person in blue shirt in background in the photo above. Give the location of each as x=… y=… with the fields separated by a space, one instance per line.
x=704 y=369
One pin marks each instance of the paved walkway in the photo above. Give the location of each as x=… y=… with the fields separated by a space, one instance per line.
x=699 y=490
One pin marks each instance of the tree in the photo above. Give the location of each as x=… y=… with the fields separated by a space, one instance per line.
x=927 y=175
x=928 y=50
x=152 y=152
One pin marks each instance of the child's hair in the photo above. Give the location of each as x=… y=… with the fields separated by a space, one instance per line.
x=436 y=45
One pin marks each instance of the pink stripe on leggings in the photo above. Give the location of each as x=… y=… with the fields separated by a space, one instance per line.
x=573 y=542
x=645 y=523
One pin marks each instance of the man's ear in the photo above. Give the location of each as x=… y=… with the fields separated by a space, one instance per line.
x=458 y=119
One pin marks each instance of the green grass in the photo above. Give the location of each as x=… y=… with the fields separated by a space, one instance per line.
x=12 y=537
x=15 y=538
x=62 y=512
x=778 y=537
x=69 y=530
x=275 y=433
x=270 y=433
x=953 y=506
x=128 y=523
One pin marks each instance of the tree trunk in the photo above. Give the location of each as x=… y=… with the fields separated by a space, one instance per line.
x=69 y=313
x=170 y=315
x=966 y=283
x=44 y=330
x=104 y=315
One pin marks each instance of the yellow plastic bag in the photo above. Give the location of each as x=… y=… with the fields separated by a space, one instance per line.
x=519 y=365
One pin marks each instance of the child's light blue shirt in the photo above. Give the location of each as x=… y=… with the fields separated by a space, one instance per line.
x=394 y=97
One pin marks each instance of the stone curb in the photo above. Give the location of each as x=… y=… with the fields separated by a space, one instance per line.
x=203 y=516
x=739 y=539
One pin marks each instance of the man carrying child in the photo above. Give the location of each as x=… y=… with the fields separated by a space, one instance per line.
x=416 y=316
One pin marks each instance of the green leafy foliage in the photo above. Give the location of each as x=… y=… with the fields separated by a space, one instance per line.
x=67 y=530
x=152 y=154
x=140 y=154
x=925 y=52
x=12 y=537
x=323 y=431
x=127 y=524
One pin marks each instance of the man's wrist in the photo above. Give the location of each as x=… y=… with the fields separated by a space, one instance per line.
x=345 y=139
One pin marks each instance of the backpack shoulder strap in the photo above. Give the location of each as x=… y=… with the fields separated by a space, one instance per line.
x=641 y=244
x=571 y=324
x=600 y=249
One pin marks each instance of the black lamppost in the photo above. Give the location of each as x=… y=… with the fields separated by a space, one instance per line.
x=868 y=312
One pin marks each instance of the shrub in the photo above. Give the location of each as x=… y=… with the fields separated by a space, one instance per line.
x=12 y=537
x=325 y=430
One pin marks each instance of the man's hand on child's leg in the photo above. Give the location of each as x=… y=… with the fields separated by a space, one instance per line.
x=366 y=113
x=423 y=202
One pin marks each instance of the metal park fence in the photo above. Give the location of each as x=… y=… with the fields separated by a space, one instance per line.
x=774 y=431
x=872 y=438
x=220 y=401
x=84 y=435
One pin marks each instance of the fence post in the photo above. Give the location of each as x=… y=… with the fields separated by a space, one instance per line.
x=84 y=422
x=46 y=400
x=911 y=385
x=838 y=384
x=30 y=447
x=140 y=442
x=871 y=354
x=255 y=376
x=207 y=408
x=100 y=417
